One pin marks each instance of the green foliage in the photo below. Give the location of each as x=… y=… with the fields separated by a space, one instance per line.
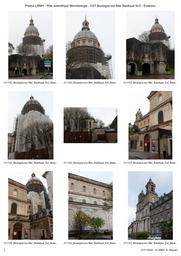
x=141 y=235
x=81 y=220
x=166 y=230
x=96 y=223
x=139 y=65
x=169 y=69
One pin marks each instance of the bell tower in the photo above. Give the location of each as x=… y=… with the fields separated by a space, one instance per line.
x=150 y=187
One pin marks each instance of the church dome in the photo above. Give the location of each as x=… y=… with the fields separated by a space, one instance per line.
x=31 y=29
x=32 y=105
x=85 y=37
x=157 y=27
x=34 y=184
x=85 y=34
x=157 y=33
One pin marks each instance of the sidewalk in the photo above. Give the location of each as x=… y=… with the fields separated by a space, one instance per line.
x=143 y=155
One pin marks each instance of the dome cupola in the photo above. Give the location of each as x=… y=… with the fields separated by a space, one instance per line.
x=85 y=37
x=34 y=184
x=31 y=29
x=157 y=33
x=32 y=105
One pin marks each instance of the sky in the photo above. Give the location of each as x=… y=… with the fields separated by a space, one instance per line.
x=138 y=22
x=19 y=21
x=100 y=23
x=105 y=177
x=137 y=99
x=162 y=180
x=17 y=100
x=107 y=115
x=24 y=176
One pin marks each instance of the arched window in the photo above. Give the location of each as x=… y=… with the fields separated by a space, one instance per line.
x=160 y=98
x=104 y=193
x=72 y=186
x=15 y=192
x=160 y=117
x=94 y=191
x=84 y=188
x=14 y=208
x=83 y=201
x=71 y=199
x=95 y=202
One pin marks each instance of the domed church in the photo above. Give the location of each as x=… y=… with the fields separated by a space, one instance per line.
x=152 y=56
x=157 y=34
x=33 y=134
x=85 y=58
x=30 y=208
x=32 y=42
x=37 y=194
x=28 y=61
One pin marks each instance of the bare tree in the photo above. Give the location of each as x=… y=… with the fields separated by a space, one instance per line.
x=10 y=48
x=73 y=116
x=49 y=53
x=144 y=37
x=99 y=123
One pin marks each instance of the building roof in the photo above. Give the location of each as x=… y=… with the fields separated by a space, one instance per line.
x=157 y=33
x=16 y=183
x=162 y=199
x=32 y=104
x=85 y=32
x=31 y=29
x=34 y=184
x=157 y=27
x=94 y=182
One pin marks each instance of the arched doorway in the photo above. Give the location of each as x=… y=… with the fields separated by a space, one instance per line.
x=131 y=68
x=17 y=231
x=25 y=72
x=146 y=69
x=147 y=143
x=17 y=72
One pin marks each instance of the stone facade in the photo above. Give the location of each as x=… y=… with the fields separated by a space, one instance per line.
x=33 y=134
x=18 y=211
x=161 y=212
x=151 y=211
x=152 y=132
x=85 y=58
x=29 y=59
x=89 y=196
x=153 y=57
x=30 y=215
x=80 y=126
x=20 y=65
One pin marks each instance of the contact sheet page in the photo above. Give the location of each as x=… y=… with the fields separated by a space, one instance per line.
x=90 y=127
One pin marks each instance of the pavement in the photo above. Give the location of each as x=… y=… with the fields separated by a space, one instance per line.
x=150 y=77
x=144 y=155
x=48 y=76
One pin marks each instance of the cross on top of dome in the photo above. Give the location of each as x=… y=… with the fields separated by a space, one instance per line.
x=156 y=21
x=31 y=22
x=85 y=24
